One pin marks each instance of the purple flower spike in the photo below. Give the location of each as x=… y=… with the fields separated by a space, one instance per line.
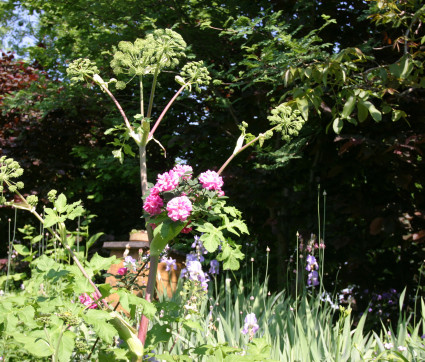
x=130 y=263
x=170 y=263
x=313 y=278
x=250 y=325
x=214 y=267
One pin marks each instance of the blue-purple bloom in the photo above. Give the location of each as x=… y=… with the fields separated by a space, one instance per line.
x=311 y=263
x=313 y=278
x=130 y=263
x=199 y=246
x=250 y=325
x=191 y=257
x=194 y=271
x=312 y=266
x=170 y=263
x=214 y=267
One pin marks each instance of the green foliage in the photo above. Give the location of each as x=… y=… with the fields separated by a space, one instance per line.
x=160 y=49
x=194 y=73
x=81 y=70
x=288 y=121
x=62 y=211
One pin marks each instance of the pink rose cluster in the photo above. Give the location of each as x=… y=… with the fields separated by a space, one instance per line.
x=179 y=208
x=86 y=300
x=168 y=181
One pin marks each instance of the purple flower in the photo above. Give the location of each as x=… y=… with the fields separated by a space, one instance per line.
x=194 y=271
x=199 y=246
x=313 y=278
x=311 y=263
x=250 y=325
x=191 y=257
x=214 y=267
x=130 y=263
x=170 y=263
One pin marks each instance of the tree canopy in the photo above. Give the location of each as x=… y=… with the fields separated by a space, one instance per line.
x=353 y=69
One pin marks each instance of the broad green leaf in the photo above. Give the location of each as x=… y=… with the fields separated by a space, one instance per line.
x=15 y=277
x=259 y=347
x=21 y=249
x=230 y=257
x=113 y=355
x=191 y=325
x=60 y=203
x=66 y=346
x=348 y=106
x=99 y=320
x=36 y=239
x=211 y=236
x=26 y=315
x=302 y=104
x=119 y=154
x=362 y=111
x=148 y=308
x=77 y=211
x=397 y=114
x=163 y=233
x=82 y=285
x=337 y=125
x=45 y=263
x=98 y=263
x=376 y=115
x=403 y=68
x=36 y=346
x=123 y=294
x=158 y=334
x=104 y=289
x=50 y=220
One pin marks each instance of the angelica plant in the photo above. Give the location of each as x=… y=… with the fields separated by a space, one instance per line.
x=163 y=49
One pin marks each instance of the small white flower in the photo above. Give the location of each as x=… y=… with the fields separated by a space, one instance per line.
x=402 y=348
x=388 y=345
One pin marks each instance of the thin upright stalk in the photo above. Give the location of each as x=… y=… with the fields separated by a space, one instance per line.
x=151 y=97
x=296 y=279
x=126 y=121
x=149 y=291
x=161 y=116
x=143 y=170
x=10 y=246
x=142 y=110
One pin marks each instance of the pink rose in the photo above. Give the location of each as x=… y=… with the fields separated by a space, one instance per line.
x=211 y=180
x=122 y=271
x=180 y=170
x=153 y=204
x=168 y=181
x=179 y=208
